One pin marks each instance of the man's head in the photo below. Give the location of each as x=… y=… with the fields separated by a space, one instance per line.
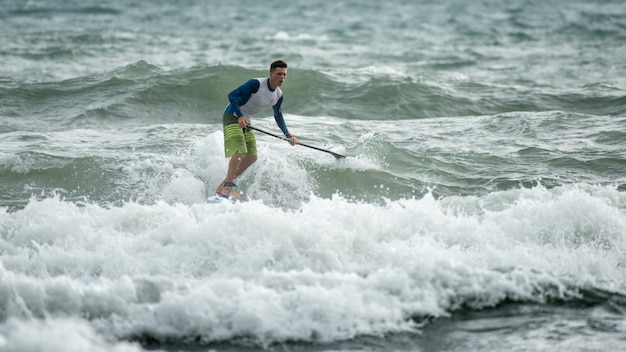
x=278 y=73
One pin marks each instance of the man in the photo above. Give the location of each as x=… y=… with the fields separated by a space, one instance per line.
x=246 y=101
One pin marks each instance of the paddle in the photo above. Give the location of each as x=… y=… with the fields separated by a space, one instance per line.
x=338 y=156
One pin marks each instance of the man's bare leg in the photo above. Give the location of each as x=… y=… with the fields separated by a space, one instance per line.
x=247 y=161
x=236 y=166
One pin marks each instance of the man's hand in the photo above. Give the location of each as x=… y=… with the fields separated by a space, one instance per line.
x=242 y=121
x=293 y=140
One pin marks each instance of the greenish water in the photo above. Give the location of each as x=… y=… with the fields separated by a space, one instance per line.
x=481 y=205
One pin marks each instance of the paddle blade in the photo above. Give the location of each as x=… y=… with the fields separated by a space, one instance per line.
x=336 y=155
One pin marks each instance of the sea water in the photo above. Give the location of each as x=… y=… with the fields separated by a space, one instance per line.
x=481 y=206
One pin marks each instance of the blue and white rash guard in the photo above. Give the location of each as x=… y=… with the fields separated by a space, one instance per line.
x=255 y=95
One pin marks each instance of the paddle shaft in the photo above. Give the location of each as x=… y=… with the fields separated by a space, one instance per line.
x=338 y=156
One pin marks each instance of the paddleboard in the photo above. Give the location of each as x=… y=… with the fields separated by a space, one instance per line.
x=218 y=200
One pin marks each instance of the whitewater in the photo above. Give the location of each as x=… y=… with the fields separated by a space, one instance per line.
x=481 y=205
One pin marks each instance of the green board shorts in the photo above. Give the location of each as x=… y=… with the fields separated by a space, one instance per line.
x=236 y=140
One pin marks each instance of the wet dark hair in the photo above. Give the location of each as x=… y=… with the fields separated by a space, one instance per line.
x=278 y=63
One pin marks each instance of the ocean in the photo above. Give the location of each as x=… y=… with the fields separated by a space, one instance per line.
x=481 y=205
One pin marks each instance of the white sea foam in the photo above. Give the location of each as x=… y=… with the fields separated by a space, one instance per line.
x=116 y=109
x=330 y=270
x=285 y=36
x=56 y=334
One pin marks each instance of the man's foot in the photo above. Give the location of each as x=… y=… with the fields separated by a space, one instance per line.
x=227 y=190
x=236 y=195
x=224 y=189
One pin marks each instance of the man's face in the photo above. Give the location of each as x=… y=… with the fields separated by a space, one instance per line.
x=278 y=76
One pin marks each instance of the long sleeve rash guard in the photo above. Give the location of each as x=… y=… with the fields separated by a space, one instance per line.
x=255 y=95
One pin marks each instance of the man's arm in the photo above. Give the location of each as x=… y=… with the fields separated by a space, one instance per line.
x=241 y=95
x=280 y=119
